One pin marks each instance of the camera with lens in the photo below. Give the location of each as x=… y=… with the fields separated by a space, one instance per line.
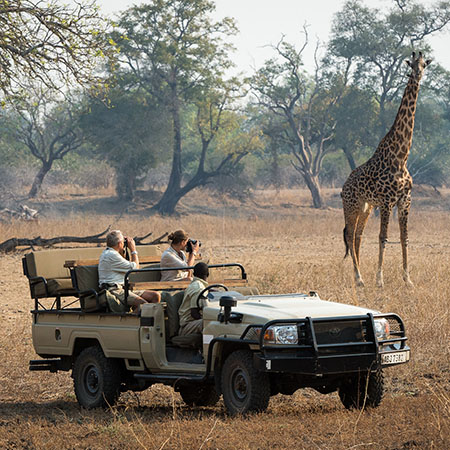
x=190 y=244
x=125 y=242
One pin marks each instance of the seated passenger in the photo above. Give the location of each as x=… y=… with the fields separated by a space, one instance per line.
x=191 y=321
x=112 y=267
x=175 y=256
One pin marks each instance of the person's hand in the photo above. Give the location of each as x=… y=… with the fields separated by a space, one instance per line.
x=131 y=244
x=196 y=247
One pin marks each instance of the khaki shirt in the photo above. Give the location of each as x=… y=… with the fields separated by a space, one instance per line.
x=190 y=300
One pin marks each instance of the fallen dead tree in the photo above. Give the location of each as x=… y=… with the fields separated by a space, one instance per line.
x=11 y=244
x=23 y=212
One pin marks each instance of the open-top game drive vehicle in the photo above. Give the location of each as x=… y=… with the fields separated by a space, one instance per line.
x=252 y=347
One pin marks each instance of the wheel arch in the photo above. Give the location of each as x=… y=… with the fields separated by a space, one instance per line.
x=222 y=350
x=82 y=342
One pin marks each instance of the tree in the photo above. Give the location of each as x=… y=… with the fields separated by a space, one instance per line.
x=50 y=42
x=223 y=136
x=356 y=116
x=305 y=104
x=376 y=45
x=48 y=129
x=174 y=51
x=130 y=133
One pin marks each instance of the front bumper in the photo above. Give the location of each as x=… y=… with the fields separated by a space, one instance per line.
x=334 y=345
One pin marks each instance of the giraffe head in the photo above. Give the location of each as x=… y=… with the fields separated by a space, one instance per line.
x=418 y=65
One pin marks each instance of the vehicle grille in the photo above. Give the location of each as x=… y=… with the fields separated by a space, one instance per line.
x=338 y=332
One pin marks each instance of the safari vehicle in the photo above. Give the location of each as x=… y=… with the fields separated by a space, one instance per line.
x=252 y=347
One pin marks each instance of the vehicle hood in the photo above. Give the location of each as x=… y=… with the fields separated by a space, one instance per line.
x=293 y=306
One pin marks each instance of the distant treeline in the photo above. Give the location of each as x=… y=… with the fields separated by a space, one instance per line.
x=170 y=116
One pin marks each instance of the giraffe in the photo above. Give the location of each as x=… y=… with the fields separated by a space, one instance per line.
x=384 y=182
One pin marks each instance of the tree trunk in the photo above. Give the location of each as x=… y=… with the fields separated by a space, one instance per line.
x=37 y=183
x=164 y=206
x=167 y=207
x=275 y=167
x=350 y=159
x=312 y=181
x=125 y=184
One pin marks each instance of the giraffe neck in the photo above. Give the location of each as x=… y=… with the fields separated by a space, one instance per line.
x=397 y=142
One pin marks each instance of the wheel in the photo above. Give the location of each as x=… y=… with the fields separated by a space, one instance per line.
x=96 y=378
x=363 y=390
x=244 y=388
x=199 y=395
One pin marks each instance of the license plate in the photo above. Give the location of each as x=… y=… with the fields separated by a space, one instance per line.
x=395 y=357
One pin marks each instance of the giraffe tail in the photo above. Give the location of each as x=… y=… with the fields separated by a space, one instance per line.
x=347 y=248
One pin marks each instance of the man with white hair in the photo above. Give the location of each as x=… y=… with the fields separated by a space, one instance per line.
x=112 y=268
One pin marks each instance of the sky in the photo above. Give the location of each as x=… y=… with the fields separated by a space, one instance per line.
x=262 y=23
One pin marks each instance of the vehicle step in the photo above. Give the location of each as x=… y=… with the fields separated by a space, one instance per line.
x=52 y=365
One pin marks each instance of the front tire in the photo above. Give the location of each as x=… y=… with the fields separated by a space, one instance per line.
x=364 y=390
x=199 y=395
x=244 y=388
x=96 y=378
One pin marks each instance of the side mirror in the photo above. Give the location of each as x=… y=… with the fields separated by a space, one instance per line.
x=227 y=302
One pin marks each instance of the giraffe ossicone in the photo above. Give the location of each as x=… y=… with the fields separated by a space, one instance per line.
x=384 y=182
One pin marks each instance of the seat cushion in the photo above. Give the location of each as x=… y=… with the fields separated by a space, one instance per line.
x=106 y=302
x=56 y=286
x=188 y=341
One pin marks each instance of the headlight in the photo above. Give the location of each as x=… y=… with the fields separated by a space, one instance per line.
x=281 y=334
x=382 y=329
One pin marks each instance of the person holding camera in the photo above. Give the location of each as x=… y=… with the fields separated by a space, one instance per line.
x=113 y=266
x=181 y=253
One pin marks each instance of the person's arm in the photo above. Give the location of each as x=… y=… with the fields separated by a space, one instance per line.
x=134 y=253
x=193 y=254
x=118 y=263
x=195 y=310
x=169 y=259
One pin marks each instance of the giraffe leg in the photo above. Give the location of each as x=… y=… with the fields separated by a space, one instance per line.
x=362 y=222
x=403 y=213
x=351 y=221
x=385 y=212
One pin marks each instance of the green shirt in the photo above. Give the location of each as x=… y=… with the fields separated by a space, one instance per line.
x=190 y=300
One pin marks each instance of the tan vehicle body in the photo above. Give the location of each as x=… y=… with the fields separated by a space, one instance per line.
x=252 y=346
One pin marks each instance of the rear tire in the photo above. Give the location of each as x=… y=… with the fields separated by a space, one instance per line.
x=364 y=390
x=244 y=388
x=199 y=395
x=96 y=378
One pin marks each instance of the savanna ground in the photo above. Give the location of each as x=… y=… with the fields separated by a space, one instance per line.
x=286 y=247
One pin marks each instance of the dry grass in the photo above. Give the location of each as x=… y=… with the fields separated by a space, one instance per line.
x=285 y=247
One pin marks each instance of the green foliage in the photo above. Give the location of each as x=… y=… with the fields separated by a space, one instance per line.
x=373 y=45
x=131 y=133
x=429 y=161
x=174 y=51
x=356 y=116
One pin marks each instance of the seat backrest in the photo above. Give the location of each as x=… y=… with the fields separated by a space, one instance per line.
x=149 y=250
x=86 y=277
x=173 y=305
x=50 y=263
x=146 y=276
